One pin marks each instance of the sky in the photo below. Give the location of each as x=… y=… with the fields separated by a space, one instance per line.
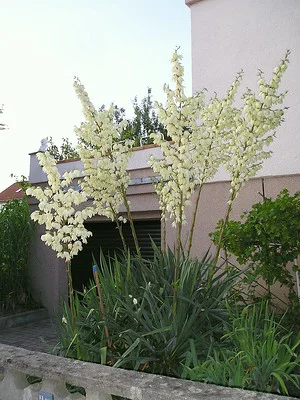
x=117 y=48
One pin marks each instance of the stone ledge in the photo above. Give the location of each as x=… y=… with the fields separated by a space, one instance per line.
x=130 y=384
x=20 y=319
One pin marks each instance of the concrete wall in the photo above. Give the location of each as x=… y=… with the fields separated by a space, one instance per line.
x=137 y=162
x=101 y=381
x=213 y=205
x=228 y=35
x=47 y=273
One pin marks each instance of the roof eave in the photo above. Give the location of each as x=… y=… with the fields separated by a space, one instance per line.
x=191 y=2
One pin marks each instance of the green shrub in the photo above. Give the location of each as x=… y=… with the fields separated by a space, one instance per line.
x=144 y=333
x=15 y=233
x=267 y=238
x=259 y=354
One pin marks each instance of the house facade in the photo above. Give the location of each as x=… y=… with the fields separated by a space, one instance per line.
x=230 y=35
x=227 y=35
x=45 y=267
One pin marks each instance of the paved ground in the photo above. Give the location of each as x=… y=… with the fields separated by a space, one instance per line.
x=30 y=336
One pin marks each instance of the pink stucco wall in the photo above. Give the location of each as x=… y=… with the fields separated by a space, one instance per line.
x=228 y=35
x=47 y=274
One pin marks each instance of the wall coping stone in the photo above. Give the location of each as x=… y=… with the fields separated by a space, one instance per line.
x=131 y=384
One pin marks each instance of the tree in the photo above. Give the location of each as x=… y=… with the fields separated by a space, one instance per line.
x=66 y=150
x=144 y=122
x=138 y=128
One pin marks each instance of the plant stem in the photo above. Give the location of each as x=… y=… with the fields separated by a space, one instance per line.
x=177 y=259
x=190 y=243
x=133 y=231
x=119 y=226
x=164 y=235
x=206 y=166
x=72 y=307
x=229 y=208
x=215 y=261
x=71 y=291
x=101 y=305
x=178 y=244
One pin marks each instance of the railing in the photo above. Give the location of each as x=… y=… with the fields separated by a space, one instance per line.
x=100 y=382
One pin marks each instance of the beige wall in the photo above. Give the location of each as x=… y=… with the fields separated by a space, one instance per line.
x=47 y=273
x=212 y=208
x=228 y=35
x=213 y=205
x=47 y=276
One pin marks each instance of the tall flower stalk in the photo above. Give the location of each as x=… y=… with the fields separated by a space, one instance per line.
x=253 y=129
x=59 y=210
x=175 y=168
x=105 y=160
x=214 y=121
x=205 y=136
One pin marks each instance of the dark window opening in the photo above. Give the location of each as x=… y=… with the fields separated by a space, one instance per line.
x=106 y=237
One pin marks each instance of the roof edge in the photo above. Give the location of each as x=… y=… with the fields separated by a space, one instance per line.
x=191 y=2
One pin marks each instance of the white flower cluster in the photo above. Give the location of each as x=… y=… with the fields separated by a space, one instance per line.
x=105 y=158
x=58 y=210
x=204 y=136
x=201 y=137
x=176 y=168
x=253 y=129
x=214 y=122
x=194 y=153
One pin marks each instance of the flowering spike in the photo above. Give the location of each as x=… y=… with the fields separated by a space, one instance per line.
x=64 y=226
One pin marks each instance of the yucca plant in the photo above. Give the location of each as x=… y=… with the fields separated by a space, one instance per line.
x=138 y=297
x=161 y=338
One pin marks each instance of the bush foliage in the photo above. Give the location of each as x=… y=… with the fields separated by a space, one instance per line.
x=15 y=233
x=267 y=237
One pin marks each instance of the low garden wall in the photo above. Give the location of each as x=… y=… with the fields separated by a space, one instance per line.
x=23 y=318
x=99 y=382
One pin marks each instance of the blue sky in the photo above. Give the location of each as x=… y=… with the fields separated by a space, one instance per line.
x=117 y=48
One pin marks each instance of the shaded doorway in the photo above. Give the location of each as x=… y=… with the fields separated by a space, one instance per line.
x=106 y=237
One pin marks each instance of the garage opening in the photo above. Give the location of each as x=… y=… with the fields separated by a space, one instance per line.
x=106 y=237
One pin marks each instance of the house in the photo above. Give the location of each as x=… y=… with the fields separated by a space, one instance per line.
x=230 y=35
x=46 y=267
x=227 y=35
x=14 y=191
